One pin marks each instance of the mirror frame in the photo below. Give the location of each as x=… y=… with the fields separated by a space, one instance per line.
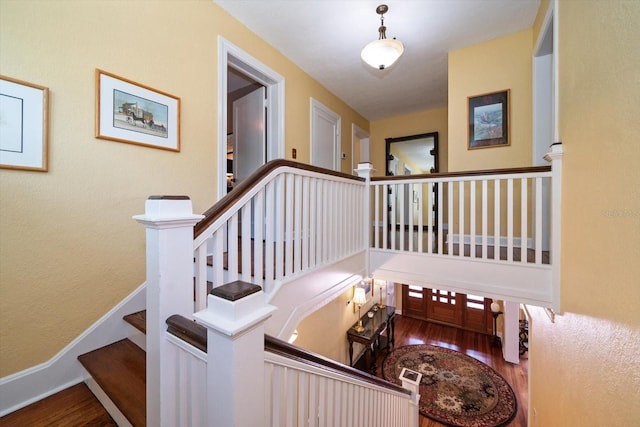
x=434 y=151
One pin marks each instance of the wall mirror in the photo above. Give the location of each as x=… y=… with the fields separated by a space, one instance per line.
x=412 y=155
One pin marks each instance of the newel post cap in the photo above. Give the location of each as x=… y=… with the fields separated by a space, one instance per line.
x=163 y=209
x=235 y=308
x=556 y=152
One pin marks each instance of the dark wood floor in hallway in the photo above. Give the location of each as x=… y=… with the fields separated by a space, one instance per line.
x=410 y=331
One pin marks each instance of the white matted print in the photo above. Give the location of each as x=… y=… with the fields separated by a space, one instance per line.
x=24 y=109
x=136 y=114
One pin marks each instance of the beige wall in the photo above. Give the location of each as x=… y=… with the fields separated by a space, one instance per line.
x=69 y=250
x=584 y=368
x=325 y=331
x=492 y=66
x=409 y=124
x=496 y=65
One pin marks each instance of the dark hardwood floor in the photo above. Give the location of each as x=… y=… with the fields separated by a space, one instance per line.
x=412 y=331
x=73 y=407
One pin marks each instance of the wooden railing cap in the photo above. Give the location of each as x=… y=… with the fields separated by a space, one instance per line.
x=235 y=290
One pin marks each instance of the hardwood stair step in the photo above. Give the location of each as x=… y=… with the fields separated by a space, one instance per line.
x=120 y=370
x=138 y=320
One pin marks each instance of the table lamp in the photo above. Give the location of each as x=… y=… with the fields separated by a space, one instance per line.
x=359 y=298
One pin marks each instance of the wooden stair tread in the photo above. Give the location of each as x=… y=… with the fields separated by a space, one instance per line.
x=120 y=370
x=138 y=320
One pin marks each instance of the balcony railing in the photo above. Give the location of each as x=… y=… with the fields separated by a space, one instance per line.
x=486 y=232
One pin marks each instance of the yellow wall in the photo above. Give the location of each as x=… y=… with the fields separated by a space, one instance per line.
x=409 y=124
x=492 y=66
x=69 y=250
x=496 y=65
x=584 y=368
x=325 y=330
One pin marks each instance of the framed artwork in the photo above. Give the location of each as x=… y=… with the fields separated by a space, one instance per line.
x=24 y=123
x=489 y=120
x=130 y=112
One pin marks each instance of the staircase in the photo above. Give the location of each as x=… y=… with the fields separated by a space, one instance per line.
x=118 y=376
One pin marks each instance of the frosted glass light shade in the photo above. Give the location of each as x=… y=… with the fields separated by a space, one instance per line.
x=495 y=306
x=382 y=53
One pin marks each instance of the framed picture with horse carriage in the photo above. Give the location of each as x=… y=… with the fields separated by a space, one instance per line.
x=133 y=113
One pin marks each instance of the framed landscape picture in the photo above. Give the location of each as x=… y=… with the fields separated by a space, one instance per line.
x=489 y=120
x=130 y=112
x=24 y=111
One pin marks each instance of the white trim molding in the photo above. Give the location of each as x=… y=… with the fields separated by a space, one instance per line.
x=63 y=370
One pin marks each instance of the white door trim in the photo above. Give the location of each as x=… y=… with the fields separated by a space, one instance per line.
x=317 y=106
x=229 y=55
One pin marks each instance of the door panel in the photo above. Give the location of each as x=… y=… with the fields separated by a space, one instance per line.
x=444 y=306
x=249 y=150
x=325 y=136
x=414 y=301
x=477 y=314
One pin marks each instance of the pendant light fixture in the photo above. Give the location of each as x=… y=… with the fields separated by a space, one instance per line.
x=383 y=52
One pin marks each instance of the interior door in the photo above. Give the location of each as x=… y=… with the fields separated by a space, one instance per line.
x=325 y=136
x=250 y=142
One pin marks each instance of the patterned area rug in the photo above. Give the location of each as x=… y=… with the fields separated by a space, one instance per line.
x=456 y=390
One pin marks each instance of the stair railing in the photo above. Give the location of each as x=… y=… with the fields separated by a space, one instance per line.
x=307 y=389
x=300 y=387
x=305 y=216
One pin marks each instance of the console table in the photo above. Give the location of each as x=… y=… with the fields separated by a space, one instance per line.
x=383 y=320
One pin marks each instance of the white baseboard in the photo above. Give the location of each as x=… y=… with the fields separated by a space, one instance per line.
x=64 y=370
x=108 y=404
x=517 y=242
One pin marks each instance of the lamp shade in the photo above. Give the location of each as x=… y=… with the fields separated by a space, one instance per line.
x=359 y=296
x=382 y=53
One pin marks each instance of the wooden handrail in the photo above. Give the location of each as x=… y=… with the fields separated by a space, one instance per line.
x=505 y=171
x=283 y=348
x=196 y=335
x=243 y=187
x=188 y=330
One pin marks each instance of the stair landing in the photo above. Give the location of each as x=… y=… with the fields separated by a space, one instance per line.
x=120 y=370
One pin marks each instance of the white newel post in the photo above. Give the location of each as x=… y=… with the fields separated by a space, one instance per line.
x=411 y=381
x=555 y=157
x=365 y=170
x=169 y=221
x=234 y=318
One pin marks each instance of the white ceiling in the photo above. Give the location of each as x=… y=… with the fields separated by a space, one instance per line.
x=325 y=37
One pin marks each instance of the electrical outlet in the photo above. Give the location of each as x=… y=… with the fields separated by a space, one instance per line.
x=343 y=156
x=294 y=153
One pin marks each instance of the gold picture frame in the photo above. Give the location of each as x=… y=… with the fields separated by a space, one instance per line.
x=133 y=113
x=24 y=128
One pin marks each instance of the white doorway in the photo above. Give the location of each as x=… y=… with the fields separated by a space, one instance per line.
x=230 y=56
x=360 y=146
x=325 y=136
